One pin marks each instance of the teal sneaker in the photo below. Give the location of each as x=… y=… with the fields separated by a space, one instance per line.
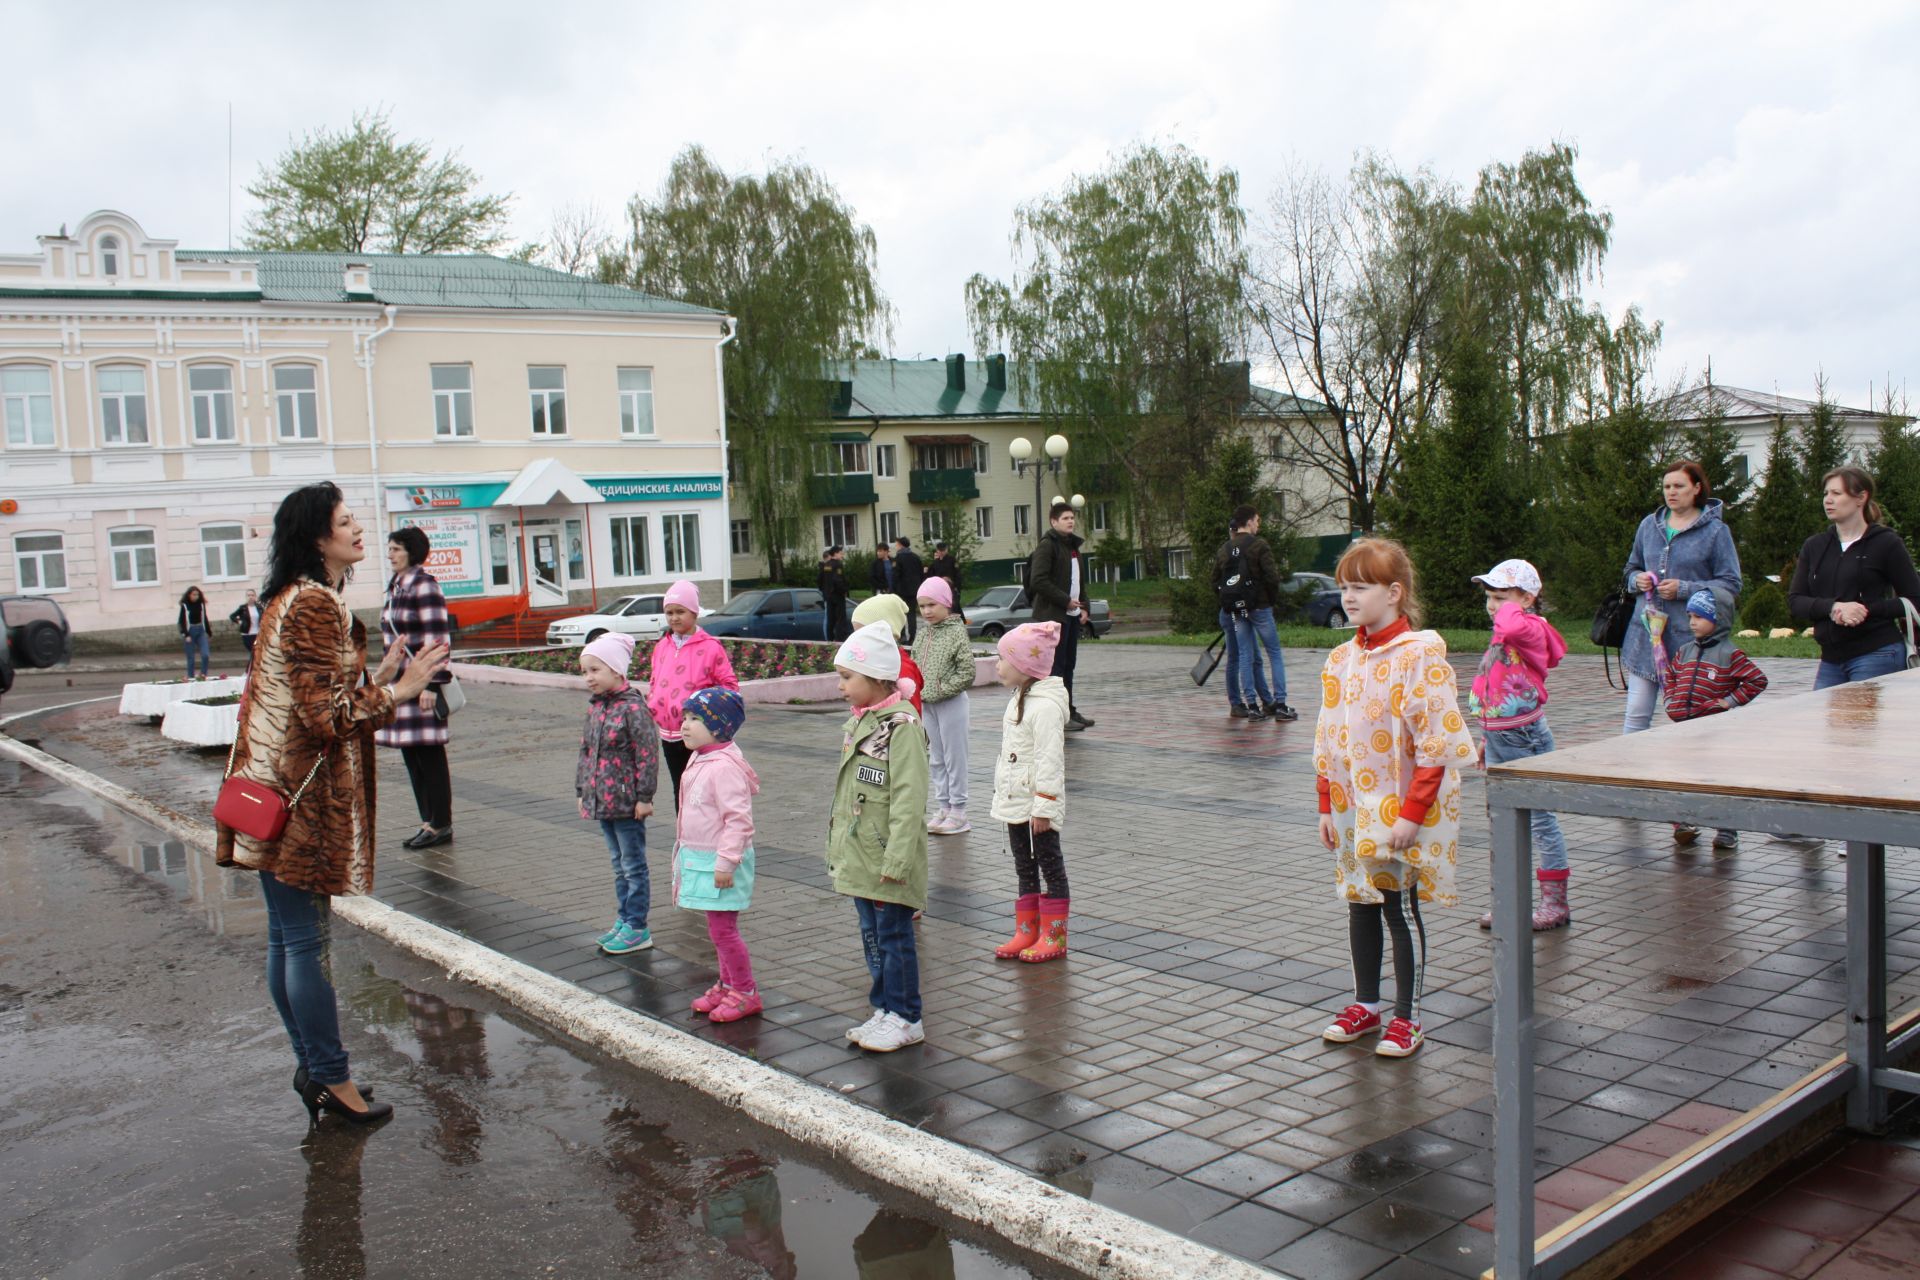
x=608 y=936
x=628 y=939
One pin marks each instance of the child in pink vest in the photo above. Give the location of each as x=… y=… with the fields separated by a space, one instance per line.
x=685 y=661
x=713 y=848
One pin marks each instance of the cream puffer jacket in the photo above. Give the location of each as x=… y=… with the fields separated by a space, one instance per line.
x=1030 y=777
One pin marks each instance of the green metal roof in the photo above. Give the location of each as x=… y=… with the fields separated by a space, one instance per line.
x=439 y=280
x=907 y=389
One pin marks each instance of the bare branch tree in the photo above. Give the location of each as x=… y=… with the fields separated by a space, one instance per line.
x=577 y=237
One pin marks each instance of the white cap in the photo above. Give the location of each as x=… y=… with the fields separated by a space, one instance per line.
x=1511 y=573
x=871 y=651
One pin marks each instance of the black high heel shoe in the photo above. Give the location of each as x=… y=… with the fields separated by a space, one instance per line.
x=300 y=1084
x=319 y=1097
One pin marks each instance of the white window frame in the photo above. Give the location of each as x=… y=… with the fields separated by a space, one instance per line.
x=542 y=401
x=1179 y=562
x=40 y=558
x=18 y=405
x=981 y=456
x=212 y=408
x=842 y=458
x=1022 y=519
x=121 y=402
x=636 y=405
x=110 y=257
x=840 y=530
x=222 y=549
x=889 y=527
x=131 y=551
x=886 y=461
x=983 y=523
x=740 y=534
x=448 y=402
x=631 y=536
x=679 y=555
x=301 y=405
x=1099 y=517
x=933 y=525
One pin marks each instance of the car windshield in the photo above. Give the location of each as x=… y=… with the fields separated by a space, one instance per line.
x=741 y=604
x=996 y=598
x=645 y=605
x=619 y=607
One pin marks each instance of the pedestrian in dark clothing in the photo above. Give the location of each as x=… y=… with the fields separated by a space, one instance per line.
x=1849 y=583
x=833 y=588
x=1059 y=594
x=194 y=632
x=943 y=565
x=880 y=576
x=247 y=618
x=1247 y=582
x=908 y=572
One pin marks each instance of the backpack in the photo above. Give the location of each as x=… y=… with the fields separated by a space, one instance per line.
x=1236 y=584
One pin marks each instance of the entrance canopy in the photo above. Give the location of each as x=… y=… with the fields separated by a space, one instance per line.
x=546 y=483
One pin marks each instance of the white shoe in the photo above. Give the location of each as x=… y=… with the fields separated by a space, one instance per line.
x=957 y=822
x=894 y=1032
x=937 y=824
x=855 y=1033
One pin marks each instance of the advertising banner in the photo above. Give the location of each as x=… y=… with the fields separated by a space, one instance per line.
x=453 y=556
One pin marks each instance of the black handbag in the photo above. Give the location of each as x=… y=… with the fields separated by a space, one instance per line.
x=1204 y=665
x=1610 y=623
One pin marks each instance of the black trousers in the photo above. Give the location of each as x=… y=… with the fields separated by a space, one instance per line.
x=677 y=754
x=1401 y=915
x=249 y=637
x=432 y=784
x=1035 y=856
x=838 y=628
x=1067 y=654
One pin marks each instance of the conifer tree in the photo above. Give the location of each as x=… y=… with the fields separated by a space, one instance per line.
x=1776 y=522
x=1599 y=480
x=1895 y=466
x=1715 y=445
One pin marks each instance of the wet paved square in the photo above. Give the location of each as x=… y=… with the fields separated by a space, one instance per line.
x=1171 y=1065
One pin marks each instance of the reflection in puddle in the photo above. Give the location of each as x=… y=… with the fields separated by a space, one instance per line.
x=226 y=899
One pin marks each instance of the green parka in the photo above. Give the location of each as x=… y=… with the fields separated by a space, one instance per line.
x=877 y=830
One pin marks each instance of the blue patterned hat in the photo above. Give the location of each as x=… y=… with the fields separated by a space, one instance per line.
x=1701 y=604
x=722 y=710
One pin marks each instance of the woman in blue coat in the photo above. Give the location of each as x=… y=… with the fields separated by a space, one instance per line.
x=1682 y=548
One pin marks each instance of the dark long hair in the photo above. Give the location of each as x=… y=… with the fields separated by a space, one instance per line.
x=186 y=597
x=303 y=522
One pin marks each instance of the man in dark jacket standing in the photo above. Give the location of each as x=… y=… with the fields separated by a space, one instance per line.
x=1247 y=582
x=1059 y=594
x=908 y=574
x=833 y=586
x=943 y=565
x=880 y=576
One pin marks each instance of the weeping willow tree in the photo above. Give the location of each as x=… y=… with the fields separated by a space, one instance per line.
x=785 y=256
x=1124 y=316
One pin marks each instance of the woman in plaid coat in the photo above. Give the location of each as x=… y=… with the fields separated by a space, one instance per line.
x=416 y=616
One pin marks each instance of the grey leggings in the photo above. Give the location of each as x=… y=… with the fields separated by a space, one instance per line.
x=1401 y=913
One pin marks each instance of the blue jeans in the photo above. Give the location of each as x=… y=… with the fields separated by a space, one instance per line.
x=886 y=931
x=1230 y=662
x=627 y=847
x=300 y=977
x=1881 y=662
x=1251 y=634
x=197 y=644
x=1643 y=699
x=1549 y=845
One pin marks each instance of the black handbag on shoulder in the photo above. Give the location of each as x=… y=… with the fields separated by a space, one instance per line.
x=1610 y=623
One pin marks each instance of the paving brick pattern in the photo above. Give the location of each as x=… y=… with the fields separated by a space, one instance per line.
x=1171 y=1066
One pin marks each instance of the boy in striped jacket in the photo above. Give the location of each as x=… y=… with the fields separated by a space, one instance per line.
x=1710 y=675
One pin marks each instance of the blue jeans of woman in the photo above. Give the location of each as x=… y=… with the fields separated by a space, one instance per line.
x=1881 y=662
x=1251 y=633
x=197 y=645
x=300 y=977
x=1643 y=699
x=1524 y=742
x=886 y=931
x=632 y=888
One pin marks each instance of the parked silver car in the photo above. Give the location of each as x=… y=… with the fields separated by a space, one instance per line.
x=998 y=610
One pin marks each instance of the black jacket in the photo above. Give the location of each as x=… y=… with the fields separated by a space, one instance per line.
x=833 y=582
x=1265 y=593
x=877 y=576
x=241 y=619
x=192 y=615
x=949 y=568
x=1050 y=575
x=1875 y=571
x=908 y=573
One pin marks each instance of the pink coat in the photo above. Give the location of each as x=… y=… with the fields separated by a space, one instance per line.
x=1511 y=687
x=679 y=672
x=716 y=804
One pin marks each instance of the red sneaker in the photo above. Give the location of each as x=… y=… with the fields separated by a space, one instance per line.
x=710 y=1001
x=1400 y=1039
x=1354 y=1021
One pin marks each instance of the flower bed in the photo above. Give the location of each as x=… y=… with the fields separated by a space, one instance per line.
x=752 y=659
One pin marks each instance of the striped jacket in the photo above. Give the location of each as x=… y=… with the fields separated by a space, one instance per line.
x=1710 y=676
x=416 y=616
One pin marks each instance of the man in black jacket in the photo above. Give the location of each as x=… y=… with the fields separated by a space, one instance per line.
x=1247 y=582
x=943 y=565
x=908 y=574
x=880 y=575
x=833 y=587
x=1059 y=594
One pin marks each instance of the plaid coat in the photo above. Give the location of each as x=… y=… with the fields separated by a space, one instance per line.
x=416 y=616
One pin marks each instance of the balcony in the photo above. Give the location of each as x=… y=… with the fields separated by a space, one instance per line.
x=855 y=489
x=943 y=485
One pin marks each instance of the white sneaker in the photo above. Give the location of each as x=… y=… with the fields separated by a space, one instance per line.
x=855 y=1033
x=937 y=824
x=893 y=1032
x=957 y=822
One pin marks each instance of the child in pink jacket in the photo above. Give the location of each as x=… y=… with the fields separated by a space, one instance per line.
x=713 y=846
x=685 y=661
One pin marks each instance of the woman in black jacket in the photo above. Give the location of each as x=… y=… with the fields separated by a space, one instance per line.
x=1849 y=582
x=194 y=636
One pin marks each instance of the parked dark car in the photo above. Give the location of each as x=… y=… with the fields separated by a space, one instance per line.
x=778 y=613
x=37 y=635
x=1314 y=598
x=998 y=610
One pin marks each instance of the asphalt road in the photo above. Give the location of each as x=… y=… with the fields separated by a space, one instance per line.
x=147 y=1126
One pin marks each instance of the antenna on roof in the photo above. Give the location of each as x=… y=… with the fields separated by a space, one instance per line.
x=229 y=175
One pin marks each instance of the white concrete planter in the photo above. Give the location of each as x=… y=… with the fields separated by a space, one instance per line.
x=818 y=688
x=152 y=698
x=200 y=724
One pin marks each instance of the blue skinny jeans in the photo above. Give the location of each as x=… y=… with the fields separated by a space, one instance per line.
x=886 y=931
x=198 y=646
x=632 y=887
x=1881 y=662
x=300 y=977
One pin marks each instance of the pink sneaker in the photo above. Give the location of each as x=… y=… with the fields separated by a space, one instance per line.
x=735 y=1006
x=711 y=1001
x=1354 y=1021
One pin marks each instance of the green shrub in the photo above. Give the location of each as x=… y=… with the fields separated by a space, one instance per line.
x=1764 y=607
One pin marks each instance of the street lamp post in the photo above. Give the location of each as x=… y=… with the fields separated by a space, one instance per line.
x=1024 y=461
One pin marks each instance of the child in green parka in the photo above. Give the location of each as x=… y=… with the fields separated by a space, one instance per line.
x=945 y=658
x=876 y=833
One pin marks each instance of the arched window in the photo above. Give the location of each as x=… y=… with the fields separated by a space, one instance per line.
x=110 y=255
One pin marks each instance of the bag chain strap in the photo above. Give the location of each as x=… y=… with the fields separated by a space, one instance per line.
x=253 y=660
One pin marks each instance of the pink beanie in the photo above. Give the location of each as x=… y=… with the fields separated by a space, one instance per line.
x=613 y=648
x=1028 y=648
x=938 y=590
x=684 y=594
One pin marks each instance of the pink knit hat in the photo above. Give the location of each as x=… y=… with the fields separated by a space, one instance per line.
x=614 y=648
x=684 y=594
x=938 y=590
x=1028 y=648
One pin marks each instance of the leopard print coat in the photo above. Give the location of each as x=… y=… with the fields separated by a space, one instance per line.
x=306 y=697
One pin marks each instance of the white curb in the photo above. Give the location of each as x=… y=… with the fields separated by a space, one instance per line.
x=1027 y=1212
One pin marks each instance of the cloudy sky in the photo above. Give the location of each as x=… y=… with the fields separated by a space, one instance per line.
x=1761 y=160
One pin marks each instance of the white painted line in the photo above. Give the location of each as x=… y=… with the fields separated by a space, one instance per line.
x=1029 y=1213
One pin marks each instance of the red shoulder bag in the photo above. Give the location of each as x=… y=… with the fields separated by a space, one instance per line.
x=248 y=807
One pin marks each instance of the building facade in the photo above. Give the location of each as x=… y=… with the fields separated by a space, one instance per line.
x=1754 y=414
x=558 y=439
x=908 y=439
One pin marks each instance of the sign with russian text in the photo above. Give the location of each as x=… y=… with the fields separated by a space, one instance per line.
x=659 y=488
x=453 y=551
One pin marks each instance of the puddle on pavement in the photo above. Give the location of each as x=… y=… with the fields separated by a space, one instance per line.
x=559 y=1161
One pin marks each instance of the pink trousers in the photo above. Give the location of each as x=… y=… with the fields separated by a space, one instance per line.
x=736 y=967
